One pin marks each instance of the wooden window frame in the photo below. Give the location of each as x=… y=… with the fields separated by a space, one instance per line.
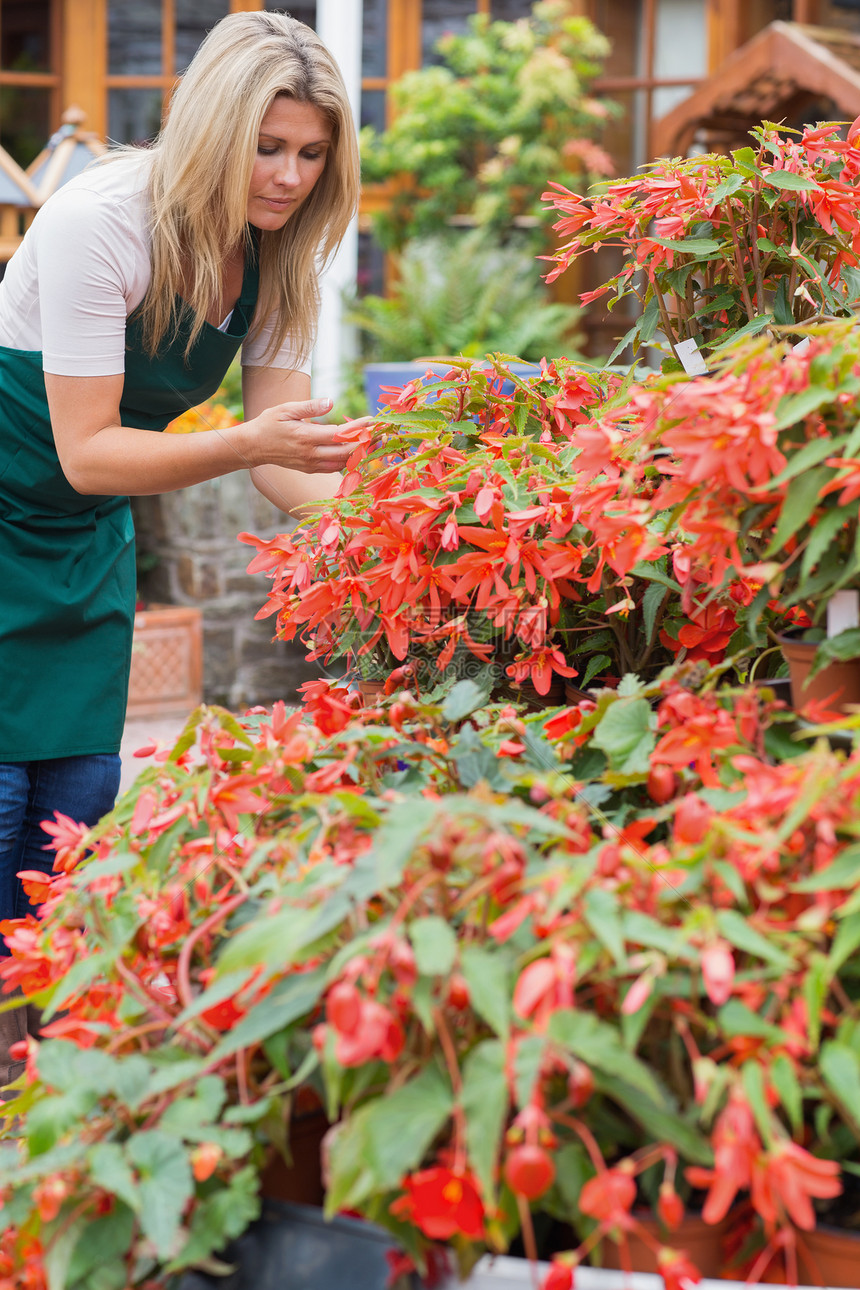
x=51 y=80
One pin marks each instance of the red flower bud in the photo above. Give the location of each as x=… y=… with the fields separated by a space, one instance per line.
x=692 y=820
x=529 y=1171
x=670 y=1207
x=343 y=1007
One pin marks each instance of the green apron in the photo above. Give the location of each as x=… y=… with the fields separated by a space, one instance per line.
x=67 y=563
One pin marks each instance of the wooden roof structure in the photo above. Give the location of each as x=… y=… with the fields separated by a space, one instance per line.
x=69 y=151
x=790 y=72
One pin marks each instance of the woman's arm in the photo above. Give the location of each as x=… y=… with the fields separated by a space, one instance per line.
x=101 y=456
x=290 y=489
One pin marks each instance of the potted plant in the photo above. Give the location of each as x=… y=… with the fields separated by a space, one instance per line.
x=756 y=465
x=515 y=535
x=516 y=1007
x=716 y=246
x=475 y=134
x=460 y=293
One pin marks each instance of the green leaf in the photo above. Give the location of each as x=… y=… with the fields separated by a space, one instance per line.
x=735 y=1018
x=823 y=536
x=527 y=1063
x=599 y=1044
x=79 y=975
x=787 y=1085
x=752 y=328
x=601 y=910
x=816 y=983
x=487 y=977
x=840 y=1070
x=221 y=1216
x=845 y=942
x=463 y=699
x=102 y=1240
x=782 y=313
x=51 y=1117
x=293 y=998
x=649 y=321
x=701 y=247
x=110 y=1169
x=745 y=160
x=660 y=1122
x=387 y=1138
x=627 y=339
x=68 y=1068
x=728 y=188
x=484 y=1099
x=787 y=179
x=843 y=873
x=743 y=936
x=625 y=734
x=651 y=602
x=475 y=761
x=840 y=649
x=435 y=945
x=753 y=1082
x=58 y=1256
x=800 y=501
x=166 y=1185
x=793 y=408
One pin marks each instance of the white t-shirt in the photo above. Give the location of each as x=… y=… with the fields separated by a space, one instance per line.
x=83 y=267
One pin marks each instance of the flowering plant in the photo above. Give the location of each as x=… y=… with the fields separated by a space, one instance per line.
x=715 y=245
x=759 y=470
x=475 y=133
x=517 y=532
x=213 y=415
x=507 y=993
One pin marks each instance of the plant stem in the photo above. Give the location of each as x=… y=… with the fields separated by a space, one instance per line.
x=183 y=980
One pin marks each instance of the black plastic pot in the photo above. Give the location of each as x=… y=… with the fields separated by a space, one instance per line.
x=292 y=1247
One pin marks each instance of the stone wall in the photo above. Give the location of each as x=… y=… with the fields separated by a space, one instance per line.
x=188 y=554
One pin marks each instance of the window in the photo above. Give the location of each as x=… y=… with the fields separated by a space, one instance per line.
x=658 y=54
x=29 y=79
x=150 y=43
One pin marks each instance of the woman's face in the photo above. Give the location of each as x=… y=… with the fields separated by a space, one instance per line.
x=295 y=139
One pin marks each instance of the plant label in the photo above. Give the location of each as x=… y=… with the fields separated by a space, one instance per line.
x=691 y=359
x=843 y=612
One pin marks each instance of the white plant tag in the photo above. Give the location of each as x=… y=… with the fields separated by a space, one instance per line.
x=802 y=345
x=688 y=352
x=843 y=612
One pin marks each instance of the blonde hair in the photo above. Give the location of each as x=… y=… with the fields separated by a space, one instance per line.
x=201 y=172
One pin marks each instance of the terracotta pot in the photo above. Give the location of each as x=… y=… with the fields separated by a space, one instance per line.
x=829 y=1255
x=702 y=1241
x=527 y=694
x=166 y=661
x=837 y=685
x=572 y=695
x=300 y=1181
x=371 y=690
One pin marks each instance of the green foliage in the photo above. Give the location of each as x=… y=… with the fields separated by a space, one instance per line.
x=464 y=294
x=480 y=134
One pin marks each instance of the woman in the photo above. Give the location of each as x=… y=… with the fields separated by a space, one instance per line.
x=134 y=289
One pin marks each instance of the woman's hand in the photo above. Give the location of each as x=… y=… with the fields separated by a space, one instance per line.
x=287 y=435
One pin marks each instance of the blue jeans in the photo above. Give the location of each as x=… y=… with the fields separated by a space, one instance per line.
x=83 y=788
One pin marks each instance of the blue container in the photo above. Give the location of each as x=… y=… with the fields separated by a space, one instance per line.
x=399 y=374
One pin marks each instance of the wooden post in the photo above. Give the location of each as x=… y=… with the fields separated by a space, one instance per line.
x=83 y=53
x=806 y=11
x=726 y=30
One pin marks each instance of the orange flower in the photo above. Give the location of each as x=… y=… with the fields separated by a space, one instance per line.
x=786 y=1177
x=442 y=1203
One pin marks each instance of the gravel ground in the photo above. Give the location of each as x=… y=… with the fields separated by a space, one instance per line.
x=140 y=732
